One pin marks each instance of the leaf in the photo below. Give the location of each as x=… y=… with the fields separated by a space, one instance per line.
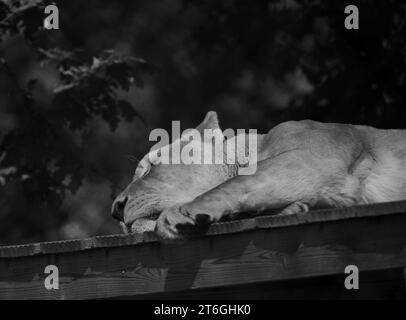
x=128 y=112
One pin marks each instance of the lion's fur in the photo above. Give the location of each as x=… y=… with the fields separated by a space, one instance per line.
x=319 y=164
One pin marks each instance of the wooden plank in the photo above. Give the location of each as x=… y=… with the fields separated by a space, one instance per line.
x=386 y=284
x=371 y=242
x=262 y=222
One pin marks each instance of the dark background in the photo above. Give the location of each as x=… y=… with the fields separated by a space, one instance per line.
x=74 y=118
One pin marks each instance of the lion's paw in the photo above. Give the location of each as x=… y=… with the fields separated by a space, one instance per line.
x=295 y=208
x=176 y=223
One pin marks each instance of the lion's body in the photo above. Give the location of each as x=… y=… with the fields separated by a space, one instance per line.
x=358 y=163
x=300 y=165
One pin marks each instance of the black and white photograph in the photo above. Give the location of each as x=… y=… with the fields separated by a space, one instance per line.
x=228 y=151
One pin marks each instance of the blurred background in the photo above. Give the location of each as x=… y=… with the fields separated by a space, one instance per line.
x=77 y=104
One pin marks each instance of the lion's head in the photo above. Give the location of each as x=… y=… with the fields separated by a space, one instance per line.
x=158 y=185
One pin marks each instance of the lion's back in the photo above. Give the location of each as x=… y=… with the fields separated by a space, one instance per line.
x=376 y=157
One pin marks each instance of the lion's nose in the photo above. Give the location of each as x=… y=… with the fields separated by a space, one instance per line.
x=117 y=210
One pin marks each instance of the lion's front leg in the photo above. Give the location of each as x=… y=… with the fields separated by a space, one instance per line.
x=292 y=181
x=274 y=185
x=194 y=217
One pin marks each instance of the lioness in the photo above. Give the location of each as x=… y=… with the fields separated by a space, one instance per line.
x=300 y=165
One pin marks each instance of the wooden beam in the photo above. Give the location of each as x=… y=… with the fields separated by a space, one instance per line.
x=265 y=249
x=261 y=222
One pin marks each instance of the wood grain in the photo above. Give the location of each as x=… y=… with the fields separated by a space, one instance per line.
x=285 y=253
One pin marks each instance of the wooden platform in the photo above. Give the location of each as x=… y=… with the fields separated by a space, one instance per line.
x=266 y=257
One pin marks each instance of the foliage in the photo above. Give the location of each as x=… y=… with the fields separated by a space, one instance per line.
x=41 y=154
x=357 y=76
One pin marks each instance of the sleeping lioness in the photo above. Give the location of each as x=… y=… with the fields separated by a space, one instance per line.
x=300 y=165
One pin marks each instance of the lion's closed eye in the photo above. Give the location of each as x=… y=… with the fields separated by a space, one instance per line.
x=145 y=165
x=143 y=168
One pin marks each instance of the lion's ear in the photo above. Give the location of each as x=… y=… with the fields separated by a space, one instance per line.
x=211 y=121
